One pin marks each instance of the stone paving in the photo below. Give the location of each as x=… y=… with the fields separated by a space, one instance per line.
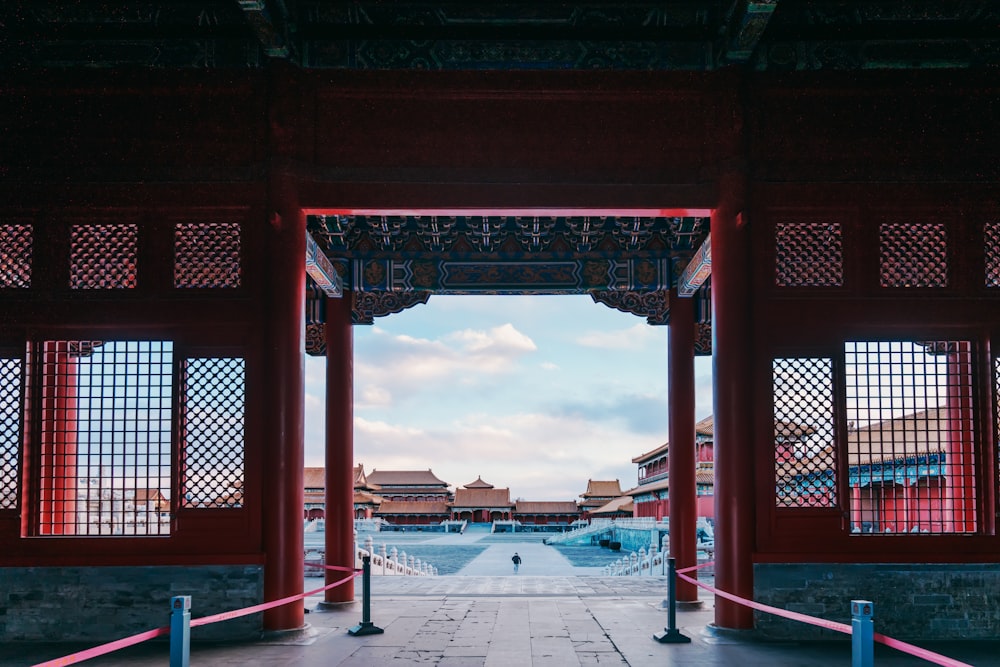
x=546 y=616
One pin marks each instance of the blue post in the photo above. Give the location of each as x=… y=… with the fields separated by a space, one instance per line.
x=670 y=634
x=862 y=634
x=180 y=631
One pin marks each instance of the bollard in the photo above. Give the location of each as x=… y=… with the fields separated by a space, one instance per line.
x=862 y=633
x=180 y=631
x=670 y=634
x=366 y=627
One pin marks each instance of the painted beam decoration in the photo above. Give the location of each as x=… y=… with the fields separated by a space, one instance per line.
x=393 y=262
x=321 y=270
x=698 y=270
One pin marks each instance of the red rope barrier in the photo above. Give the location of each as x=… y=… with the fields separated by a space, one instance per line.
x=917 y=651
x=119 y=644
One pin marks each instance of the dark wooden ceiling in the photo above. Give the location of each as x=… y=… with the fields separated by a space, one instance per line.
x=680 y=35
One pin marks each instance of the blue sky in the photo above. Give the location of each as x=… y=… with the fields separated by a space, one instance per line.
x=534 y=393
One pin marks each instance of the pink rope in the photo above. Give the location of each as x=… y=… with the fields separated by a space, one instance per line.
x=118 y=644
x=917 y=651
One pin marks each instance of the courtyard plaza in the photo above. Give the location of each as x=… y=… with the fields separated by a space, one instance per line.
x=554 y=612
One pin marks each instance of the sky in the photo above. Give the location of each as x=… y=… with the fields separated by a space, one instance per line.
x=537 y=394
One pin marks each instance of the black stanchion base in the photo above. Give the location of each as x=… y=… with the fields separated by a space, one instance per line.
x=363 y=628
x=671 y=637
x=691 y=605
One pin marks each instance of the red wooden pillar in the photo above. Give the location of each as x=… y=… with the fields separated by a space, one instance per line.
x=734 y=462
x=680 y=434
x=960 y=462
x=339 y=446
x=284 y=436
x=58 y=484
x=856 y=516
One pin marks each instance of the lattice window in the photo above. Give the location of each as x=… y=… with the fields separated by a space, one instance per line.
x=805 y=457
x=104 y=438
x=913 y=255
x=911 y=441
x=212 y=432
x=991 y=240
x=207 y=255
x=809 y=254
x=10 y=432
x=16 y=246
x=103 y=256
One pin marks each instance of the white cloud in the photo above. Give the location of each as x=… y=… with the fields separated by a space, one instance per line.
x=549 y=366
x=634 y=338
x=373 y=396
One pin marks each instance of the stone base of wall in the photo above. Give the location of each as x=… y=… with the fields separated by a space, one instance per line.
x=912 y=601
x=101 y=604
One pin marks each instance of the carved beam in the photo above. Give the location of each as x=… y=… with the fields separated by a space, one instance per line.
x=654 y=306
x=321 y=270
x=698 y=270
x=744 y=29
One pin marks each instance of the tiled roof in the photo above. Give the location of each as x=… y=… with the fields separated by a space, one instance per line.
x=545 y=507
x=705 y=427
x=618 y=505
x=314 y=478
x=479 y=484
x=602 y=489
x=412 y=507
x=404 y=478
x=365 y=498
x=482 y=498
x=911 y=435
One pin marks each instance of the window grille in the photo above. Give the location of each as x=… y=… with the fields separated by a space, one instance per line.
x=103 y=256
x=991 y=240
x=911 y=437
x=809 y=254
x=104 y=441
x=805 y=460
x=16 y=245
x=10 y=432
x=913 y=255
x=207 y=255
x=212 y=432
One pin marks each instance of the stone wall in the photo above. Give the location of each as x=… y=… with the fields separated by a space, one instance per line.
x=912 y=601
x=100 y=604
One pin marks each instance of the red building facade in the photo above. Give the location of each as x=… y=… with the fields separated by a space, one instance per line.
x=160 y=180
x=652 y=494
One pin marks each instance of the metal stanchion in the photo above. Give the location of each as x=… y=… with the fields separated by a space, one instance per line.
x=862 y=633
x=670 y=634
x=366 y=627
x=180 y=631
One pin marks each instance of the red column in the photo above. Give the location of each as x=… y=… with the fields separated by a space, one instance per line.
x=339 y=446
x=58 y=483
x=680 y=434
x=734 y=461
x=284 y=396
x=960 y=461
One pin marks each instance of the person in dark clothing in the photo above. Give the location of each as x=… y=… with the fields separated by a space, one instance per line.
x=517 y=561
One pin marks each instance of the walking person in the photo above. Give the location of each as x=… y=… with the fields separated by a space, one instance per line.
x=517 y=561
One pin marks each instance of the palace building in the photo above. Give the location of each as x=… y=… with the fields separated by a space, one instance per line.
x=193 y=195
x=652 y=493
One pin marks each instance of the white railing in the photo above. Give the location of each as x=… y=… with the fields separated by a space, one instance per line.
x=600 y=525
x=383 y=562
x=652 y=562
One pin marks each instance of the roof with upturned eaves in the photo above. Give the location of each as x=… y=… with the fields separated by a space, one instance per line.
x=602 y=489
x=481 y=498
x=546 y=507
x=478 y=484
x=621 y=505
x=704 y=428
x=388 y=478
